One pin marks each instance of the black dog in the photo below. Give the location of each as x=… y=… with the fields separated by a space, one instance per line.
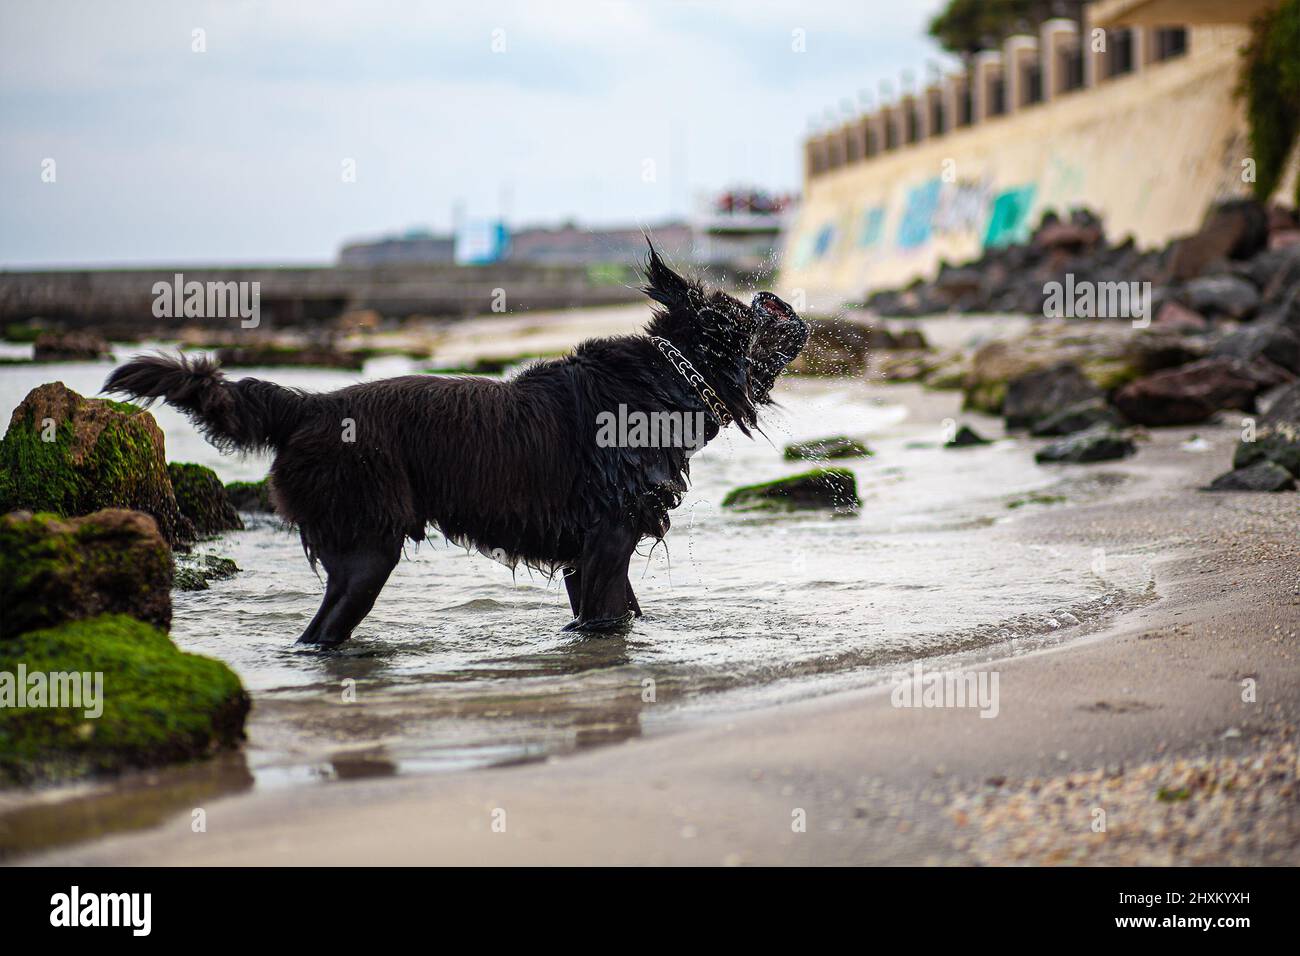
x=513 y=468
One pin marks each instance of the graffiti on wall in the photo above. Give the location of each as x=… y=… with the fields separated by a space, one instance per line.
x=873 y=226
x=1009 y=217
x=917 y=224
x=963 y=208
x=968 y=207
x=933 y=209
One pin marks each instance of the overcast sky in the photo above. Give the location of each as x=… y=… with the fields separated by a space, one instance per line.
x=603 y=112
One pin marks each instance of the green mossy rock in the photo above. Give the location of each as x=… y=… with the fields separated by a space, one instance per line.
x=834 y=488
x=251 y=496
x=54 y=570
x=202 y=498
x=193 y=572
x=824 y=449
x=160 y=705
x=71 y=455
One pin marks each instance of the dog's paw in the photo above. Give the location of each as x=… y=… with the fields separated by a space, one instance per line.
x=606 y=625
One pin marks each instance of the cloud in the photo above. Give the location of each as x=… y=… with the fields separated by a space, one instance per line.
x=165 y=154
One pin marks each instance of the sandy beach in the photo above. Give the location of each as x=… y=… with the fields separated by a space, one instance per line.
x=1176 y=720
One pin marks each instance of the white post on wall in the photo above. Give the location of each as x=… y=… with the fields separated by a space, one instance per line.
x=954 y=95
x=1056 y=39
x=1018 y=53
x=988 y=68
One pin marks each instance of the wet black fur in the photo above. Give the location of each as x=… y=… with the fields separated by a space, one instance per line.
x=510 y=467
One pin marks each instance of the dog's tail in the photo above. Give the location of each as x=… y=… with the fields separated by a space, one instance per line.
x=247 y=415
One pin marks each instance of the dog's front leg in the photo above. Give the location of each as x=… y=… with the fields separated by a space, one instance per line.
x=605 y=600
x=573 y=585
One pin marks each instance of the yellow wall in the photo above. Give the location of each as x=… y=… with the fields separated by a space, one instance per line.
x=1149 y=151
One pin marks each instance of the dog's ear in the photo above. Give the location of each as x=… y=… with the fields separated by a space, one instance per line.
x=663 y=285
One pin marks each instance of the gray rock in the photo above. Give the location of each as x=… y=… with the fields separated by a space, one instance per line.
x=1100 y=443
x=1076 y=418
x=1222 y=296
x=1277 y=434
x=966 y=437
x=1261 y=476
x=1036 y=395
x=1278 y=343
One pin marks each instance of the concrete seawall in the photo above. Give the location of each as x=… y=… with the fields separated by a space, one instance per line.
x=124 y=298
x=1150 y=152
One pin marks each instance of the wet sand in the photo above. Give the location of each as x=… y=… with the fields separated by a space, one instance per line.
x=1143 y=718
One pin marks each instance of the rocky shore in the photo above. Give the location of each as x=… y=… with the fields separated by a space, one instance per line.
x=1209 y=329
x=94 y=520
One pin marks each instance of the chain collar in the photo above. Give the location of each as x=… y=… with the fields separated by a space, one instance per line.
x=694 y=379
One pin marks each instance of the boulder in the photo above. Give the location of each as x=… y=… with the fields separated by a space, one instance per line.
x=955 y=283
x=251 y=497
x=991 y=367
x=54 y=570
x=1278 y=343
x=1222 y=296
x=1074 y=237
x=1276 y=435
x=202 y=498
x=824 y=449
x=833 y=488
x=966 y=437
x=194 y=571
x=1076 y=418
x=835 y=347
x=1237 y=229
x=310 y=356
x=1099 y=443
x=1038 y=394
x=69 y=347
x=1282 y=283
x=903 y=340
x=1191 y=394
x=905 y=366
x=1261 y=476
x=24 y=332
x=71 y=455
x=947 y=372
x=1173 y=316
x=152 y=704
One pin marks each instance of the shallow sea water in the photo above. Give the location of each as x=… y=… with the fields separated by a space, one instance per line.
x=462 y=662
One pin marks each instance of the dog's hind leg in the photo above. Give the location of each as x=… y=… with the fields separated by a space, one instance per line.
x=606 y=600
x=333 y=591
x=361 y=573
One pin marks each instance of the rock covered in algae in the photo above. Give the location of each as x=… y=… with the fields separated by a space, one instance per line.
x=71 y=455
x=203 y=499
x=109 y=693
x=54 y=569
x=833 y=488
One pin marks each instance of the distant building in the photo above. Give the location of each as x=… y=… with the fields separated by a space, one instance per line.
x=484 y=241
x=413 y=247
x=481 y=241
x=738 y=229
x=571 y=244
x=741 y=229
